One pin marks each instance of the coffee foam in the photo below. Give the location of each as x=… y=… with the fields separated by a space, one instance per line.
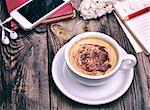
x=107 y=48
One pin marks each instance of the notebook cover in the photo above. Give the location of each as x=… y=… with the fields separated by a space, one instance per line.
x=13 y=4
x=67 y=12
x=64 y=13
x=60 y=18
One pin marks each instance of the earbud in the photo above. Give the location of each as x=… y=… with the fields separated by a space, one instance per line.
x=13 y=34
x=4 y=38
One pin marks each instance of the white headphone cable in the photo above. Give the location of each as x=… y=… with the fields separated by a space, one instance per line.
x=13 y=34
x=7 y=20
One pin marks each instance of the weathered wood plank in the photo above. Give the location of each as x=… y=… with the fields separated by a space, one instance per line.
x=27 y=85
x=3 y=15
x=55 y=103
x=144 y=70
x=24 y=71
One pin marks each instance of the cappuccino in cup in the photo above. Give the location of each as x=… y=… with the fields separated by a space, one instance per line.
x=93 y=56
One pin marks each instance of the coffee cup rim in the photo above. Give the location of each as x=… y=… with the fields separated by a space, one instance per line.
x=95 y=35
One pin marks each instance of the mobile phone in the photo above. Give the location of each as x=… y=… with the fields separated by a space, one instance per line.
x=31 y=13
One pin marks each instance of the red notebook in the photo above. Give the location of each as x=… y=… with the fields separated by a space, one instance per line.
x=66 y=12
x=13 y=4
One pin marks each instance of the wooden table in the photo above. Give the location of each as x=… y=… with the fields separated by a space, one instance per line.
x=25 y=68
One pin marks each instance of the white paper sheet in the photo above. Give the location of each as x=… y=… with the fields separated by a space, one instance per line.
x=135 y=45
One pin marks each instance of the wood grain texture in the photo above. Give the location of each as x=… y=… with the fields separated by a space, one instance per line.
x=25 y=68
x=144 y=70
x=26 y=76
x=24 y=72
x=3 y=15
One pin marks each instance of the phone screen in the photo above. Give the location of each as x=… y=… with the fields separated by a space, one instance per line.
x=36 y=9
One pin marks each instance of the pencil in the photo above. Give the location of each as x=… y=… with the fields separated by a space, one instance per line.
x=137 y=13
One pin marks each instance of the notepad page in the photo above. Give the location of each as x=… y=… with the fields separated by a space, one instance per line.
x=140 y=25
x=135 y=44
x=128 y=7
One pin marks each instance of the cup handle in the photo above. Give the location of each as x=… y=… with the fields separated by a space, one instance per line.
x=128 y=61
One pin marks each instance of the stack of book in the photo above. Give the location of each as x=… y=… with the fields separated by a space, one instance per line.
x=66 y=12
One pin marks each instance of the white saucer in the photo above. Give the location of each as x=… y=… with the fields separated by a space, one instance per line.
x=76 y=91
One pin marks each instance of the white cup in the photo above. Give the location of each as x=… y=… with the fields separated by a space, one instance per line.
x=124 y=61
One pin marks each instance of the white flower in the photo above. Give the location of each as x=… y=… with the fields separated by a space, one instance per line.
x=90 y=9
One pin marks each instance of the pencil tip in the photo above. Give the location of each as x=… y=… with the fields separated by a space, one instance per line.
x=126 y=18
